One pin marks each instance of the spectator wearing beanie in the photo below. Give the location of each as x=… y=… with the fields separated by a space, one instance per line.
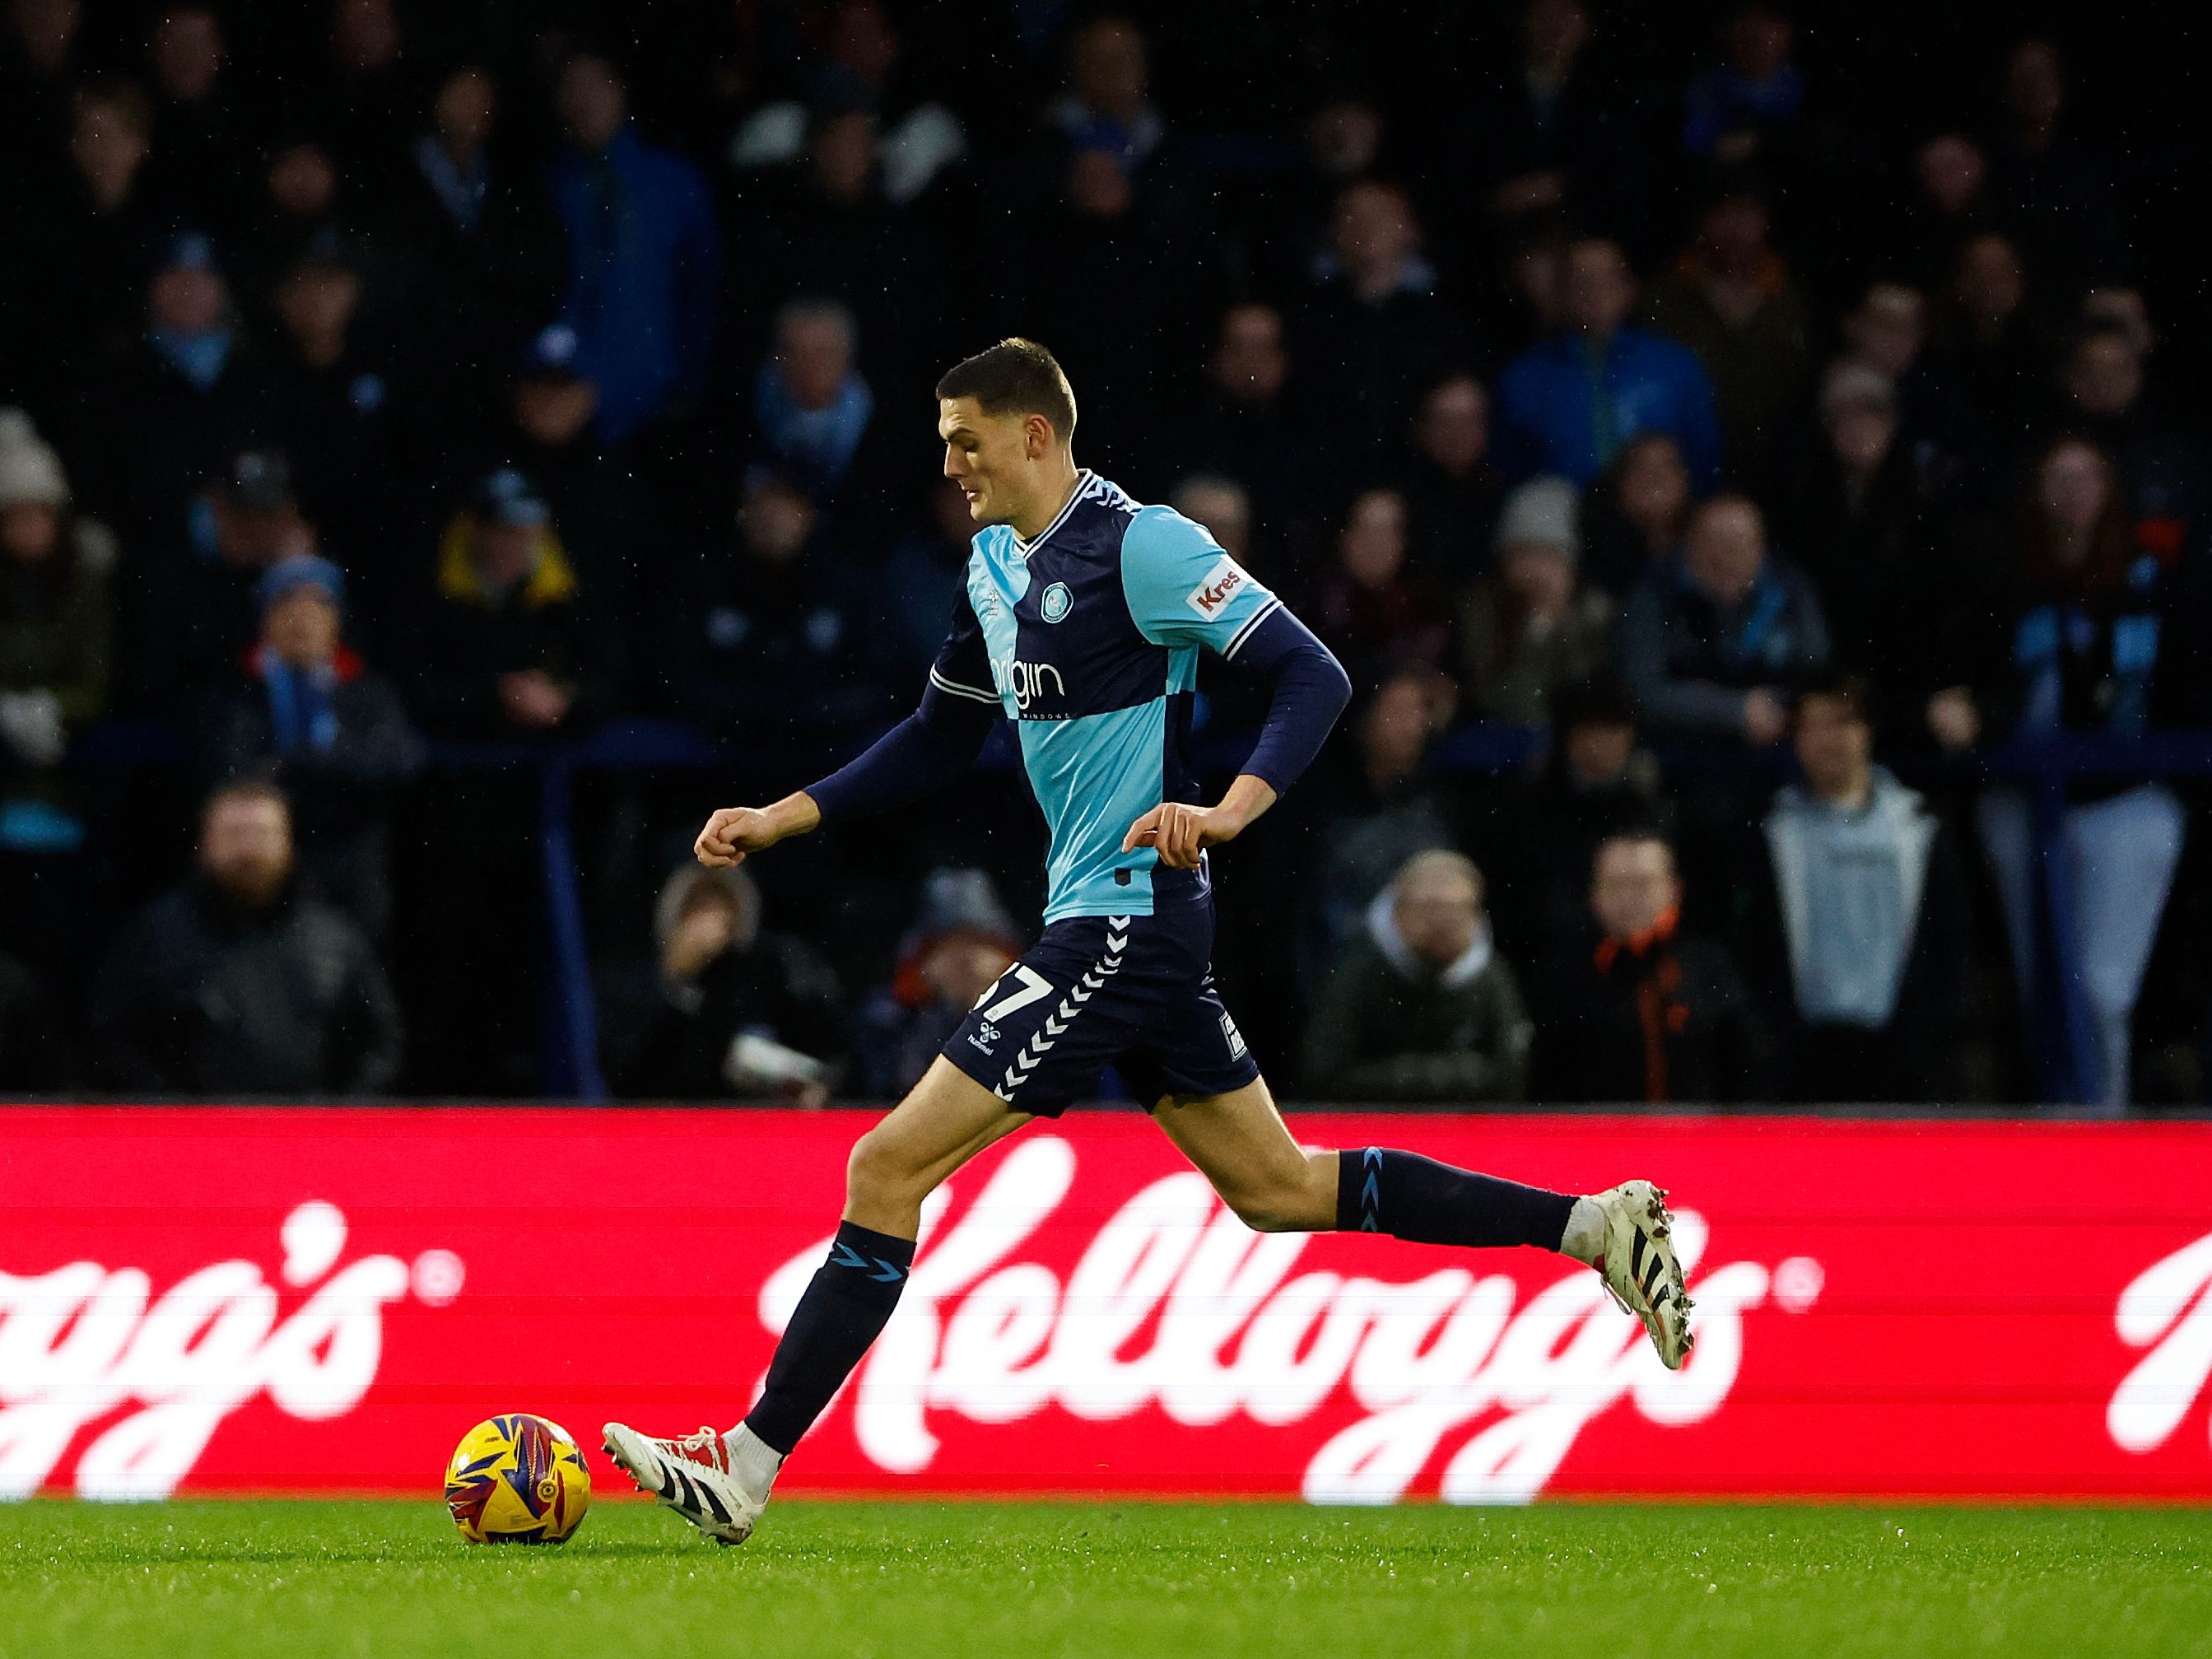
x=306 y=714
x=1529 y=626
x=54 y=614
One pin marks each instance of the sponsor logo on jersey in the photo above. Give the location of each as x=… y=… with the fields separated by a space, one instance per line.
x=1026 y=683
x=1055 y=602
x=1222 y=584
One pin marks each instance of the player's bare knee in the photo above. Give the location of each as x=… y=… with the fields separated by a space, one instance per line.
x=876 y=1174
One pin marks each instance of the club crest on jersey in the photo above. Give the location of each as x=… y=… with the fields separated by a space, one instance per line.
x=1055 y=602
x=1222 y=583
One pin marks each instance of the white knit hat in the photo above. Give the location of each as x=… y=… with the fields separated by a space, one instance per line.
x=30 y=471
x=1542 y=511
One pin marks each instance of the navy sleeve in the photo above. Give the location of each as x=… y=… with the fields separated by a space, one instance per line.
x=1311 y=689
x=930 y=747
x=921 y=754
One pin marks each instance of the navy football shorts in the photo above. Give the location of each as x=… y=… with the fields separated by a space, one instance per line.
x=1135 y=993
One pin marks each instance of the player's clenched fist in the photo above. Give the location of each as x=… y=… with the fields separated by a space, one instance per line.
x=734 y=831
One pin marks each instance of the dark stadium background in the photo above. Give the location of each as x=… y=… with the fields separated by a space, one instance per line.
x=524 y=865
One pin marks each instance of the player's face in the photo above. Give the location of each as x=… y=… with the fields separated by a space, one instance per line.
x=989 y=456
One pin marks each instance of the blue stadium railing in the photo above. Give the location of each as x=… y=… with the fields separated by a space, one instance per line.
x=2060 y=1028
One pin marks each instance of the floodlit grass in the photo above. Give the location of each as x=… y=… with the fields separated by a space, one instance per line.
x=912 y=1581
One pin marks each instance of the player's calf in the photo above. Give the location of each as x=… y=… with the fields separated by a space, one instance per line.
x=1623 y=1233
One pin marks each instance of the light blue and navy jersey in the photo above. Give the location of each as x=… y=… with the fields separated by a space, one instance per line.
x=1088 y=638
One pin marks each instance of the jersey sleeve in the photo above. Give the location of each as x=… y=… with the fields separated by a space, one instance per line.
x=962 y=667
x=1183 y=589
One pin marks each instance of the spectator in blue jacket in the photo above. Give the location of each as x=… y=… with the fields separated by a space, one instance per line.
x=644 y=255
x=1569 y=404
x=1714 y=642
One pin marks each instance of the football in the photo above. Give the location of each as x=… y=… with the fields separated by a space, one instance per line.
x=517 y=1478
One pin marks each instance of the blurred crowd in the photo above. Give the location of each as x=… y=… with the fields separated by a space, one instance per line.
x=1718 y=446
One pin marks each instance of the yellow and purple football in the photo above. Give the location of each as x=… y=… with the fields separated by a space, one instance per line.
x=518 y=1479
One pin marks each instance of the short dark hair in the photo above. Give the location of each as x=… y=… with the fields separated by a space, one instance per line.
x=1841 y=686
x=1015 y=377
x=250 y=786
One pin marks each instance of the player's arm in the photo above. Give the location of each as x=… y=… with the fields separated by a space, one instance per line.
x=927 y=751
x=1183 y=590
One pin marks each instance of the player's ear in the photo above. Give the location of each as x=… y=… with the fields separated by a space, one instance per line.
x=1038 y=436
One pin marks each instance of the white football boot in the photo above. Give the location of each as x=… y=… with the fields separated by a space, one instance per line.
x=1636 y=1261
x=692 y=1476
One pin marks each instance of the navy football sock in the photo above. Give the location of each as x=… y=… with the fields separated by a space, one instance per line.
x=1408 y=1196
x=847 y=1304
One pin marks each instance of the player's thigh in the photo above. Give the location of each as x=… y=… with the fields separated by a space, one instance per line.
x=945 y=1120
x=1239 y=1142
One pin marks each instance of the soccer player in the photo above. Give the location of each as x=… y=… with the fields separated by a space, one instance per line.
x=1082 y=619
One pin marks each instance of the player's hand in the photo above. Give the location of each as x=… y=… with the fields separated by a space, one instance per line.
x=734 y=831
x=1181 y=831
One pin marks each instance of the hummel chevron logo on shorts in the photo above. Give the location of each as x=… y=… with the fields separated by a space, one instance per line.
x=1055 y=1026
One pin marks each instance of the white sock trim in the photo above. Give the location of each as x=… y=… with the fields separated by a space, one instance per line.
x=1585 y=1239
x=752 y=1461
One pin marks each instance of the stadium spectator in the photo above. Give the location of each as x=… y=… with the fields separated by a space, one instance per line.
x=1567 y=406
x=1548 y=136
x=962 y=940
x=240 y=981
x=1220 y=507
x=2093 y=644
x=1997 y=347
x=55 y=624
x=474 y=252
x=84 y=243
x=1894 y=584
x=332 y=400
x=1951 y=205
x=1386 y=805
x=1376 y=616
x=509 y=648
x=1531 y=628
x=810 y=406
x=723 y=1008
x=1376 y=325
x=298 y=214
x=1861 y=935
x=1741 y=111
x=644 y=256
x=921 y=578
x=777 y=644
x=1420 y=1009
x=175 y=406
x=1633 y=516
x=1888 y=333
x=1593 y=782
x=189 y=621
x=307 y=715
x=1731 y=300
x=1242 y=420
x=1712 y=643
x=202 y=154
x=1648 y=1012
x=2161 y=473
x=1451 y=492
x=2047 y=181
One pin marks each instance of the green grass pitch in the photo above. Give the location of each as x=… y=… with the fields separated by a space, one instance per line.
x=916 y=1580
